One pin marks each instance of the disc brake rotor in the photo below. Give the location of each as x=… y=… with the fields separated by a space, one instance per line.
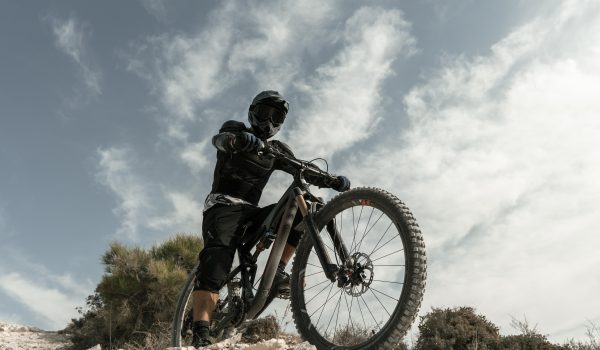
x=358 y=274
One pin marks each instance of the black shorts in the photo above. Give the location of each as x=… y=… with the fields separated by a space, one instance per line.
x=222 y=230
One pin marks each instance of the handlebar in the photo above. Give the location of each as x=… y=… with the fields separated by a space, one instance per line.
x=301 y=166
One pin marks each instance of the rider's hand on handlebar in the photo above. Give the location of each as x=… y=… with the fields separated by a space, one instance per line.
x=341 y=184
x=246 y=142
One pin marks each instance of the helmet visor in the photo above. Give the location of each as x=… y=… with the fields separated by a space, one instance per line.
x=265 y=113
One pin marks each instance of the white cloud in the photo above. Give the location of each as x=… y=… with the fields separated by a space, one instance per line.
x=70 y=36
x=143 y=204
x=345 y=93
x=116 y=171
x=186 y=215
x=194 y=155
x=238 y=43
x=500 y=166
x=54 y=305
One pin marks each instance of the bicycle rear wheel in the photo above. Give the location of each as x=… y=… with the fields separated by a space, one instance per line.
x=380 y=286
x=227 y=315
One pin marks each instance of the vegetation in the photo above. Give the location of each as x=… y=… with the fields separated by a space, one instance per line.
x=137 y=294
x=458 y=328
x=132 y=306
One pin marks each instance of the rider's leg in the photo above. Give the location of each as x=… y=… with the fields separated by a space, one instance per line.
x=221 y=233
x=204 y=304
x=288 y=252
x=292 y=242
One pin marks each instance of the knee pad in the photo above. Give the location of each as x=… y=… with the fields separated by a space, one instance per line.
x=215 y=264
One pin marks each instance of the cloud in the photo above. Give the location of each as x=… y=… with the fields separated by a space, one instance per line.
x=142 y=203
x=70 y=35
x=156 y=8
x=345 y=93
x=51 y=297
x=238 y=44
x=500 y=166
x=54 y=305
x=194 y=155
x=186 y=214
x=116 y=171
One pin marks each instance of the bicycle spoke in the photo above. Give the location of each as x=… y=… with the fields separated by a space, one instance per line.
x=366 y=233
x=338 y=313
x=361 y=314
x=336 y=307
x=380 y=292
x=380 y=239
x=368 y=308
x=311 y=299
x=312 y=274
x=354 y=236
x=359 y=216
x=388 y=281
x=380 y=303
x=368 y=221
x=318 y=284
x=347 y=307
x=322 y=306
x=349 y=311
x=391 y=239
x=397 y=251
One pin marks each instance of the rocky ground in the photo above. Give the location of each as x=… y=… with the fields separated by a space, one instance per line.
x=17 y=337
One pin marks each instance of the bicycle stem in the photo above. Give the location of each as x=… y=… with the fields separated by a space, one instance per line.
x=329 y=268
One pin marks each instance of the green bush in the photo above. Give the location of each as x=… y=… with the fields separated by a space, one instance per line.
x=456 y=329
x=528 y=339
x=137 y=292
x=531 y=341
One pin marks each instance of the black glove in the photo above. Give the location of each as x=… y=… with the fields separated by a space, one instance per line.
x=246 y=142
x=341 y=184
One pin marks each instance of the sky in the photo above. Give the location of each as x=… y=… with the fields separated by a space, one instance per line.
x=483 y=117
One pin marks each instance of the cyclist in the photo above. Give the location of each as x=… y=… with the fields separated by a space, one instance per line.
x=239 y=179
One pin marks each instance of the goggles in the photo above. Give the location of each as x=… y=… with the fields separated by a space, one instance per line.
x=265 y=113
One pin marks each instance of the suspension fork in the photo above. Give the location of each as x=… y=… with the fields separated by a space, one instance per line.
x=329 y=268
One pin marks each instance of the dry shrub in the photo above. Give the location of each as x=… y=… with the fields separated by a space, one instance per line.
x=265 y=328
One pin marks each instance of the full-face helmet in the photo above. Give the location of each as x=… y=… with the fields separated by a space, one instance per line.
x=267 y=113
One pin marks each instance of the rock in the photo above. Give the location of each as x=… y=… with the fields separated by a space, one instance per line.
x=273 y=344
x=305 y=346
x=18 y=337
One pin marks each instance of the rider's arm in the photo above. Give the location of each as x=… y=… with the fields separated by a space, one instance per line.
x=234 y=136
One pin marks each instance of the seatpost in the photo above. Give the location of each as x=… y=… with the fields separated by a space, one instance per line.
x=329 y=268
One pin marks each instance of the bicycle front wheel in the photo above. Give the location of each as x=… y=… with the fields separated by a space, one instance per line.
x=379 y=286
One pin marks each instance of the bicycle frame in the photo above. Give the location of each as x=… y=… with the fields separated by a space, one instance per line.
x=281 y=218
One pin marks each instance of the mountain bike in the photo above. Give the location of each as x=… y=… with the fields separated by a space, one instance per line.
x=358 y=275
